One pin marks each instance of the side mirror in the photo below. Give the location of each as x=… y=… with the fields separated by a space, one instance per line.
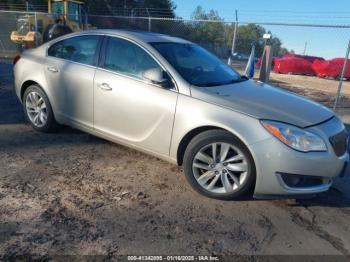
x=158 y=76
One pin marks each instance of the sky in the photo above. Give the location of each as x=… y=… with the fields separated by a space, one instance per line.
x=325 y=42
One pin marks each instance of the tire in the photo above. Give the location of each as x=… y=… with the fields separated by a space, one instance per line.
x=36 y=103
x=55 y=30
x=226 y=178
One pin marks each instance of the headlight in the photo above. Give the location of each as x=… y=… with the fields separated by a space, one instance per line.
x=295 y=137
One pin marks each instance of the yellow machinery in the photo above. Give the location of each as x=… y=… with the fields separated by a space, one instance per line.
x=32 y=27
x=71 y=11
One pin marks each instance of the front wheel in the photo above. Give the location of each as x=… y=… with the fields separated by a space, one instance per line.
x=219 y=165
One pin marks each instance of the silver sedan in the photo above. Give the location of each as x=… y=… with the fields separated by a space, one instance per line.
x=173 y=99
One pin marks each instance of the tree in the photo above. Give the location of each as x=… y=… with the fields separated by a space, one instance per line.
x=155 y=8
x=36 y=5
x=212 y=32
x=217 y=36
x=130 y=8
x=205 y=28
x=104 y=7
x=250 y=34
x=247 y=35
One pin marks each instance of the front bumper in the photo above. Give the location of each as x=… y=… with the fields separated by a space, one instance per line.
x=277 y=165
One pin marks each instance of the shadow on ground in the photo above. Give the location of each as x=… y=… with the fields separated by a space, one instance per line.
x=11 y=110
x=331 y=198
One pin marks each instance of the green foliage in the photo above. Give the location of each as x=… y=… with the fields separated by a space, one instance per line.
x=212 y=32
x=102 y=7
x=209 y=30
x=247 y=35
x=221 y=34
x=19 y=5
x=124 y=7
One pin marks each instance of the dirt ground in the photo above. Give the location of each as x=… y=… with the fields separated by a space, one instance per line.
x=325 y=85
x=323 y=90
x=70 y=193
x=319 y=89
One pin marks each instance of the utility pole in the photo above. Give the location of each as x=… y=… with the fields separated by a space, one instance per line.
x=234 y=38
x=340 y=85
x=234 y=33
x=304 y=53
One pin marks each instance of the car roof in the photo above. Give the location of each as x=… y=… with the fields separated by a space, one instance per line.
x=139 y=36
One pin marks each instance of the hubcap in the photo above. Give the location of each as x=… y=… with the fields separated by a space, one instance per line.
x=36 y=109
x=220 y=168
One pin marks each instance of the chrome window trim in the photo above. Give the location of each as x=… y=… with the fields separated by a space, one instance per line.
x=64 y=37
x=73 y=62
x=66 y=60
x=175 y=88
x=136 y=79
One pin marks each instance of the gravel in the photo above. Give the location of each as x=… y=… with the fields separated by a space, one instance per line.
x=69 y=193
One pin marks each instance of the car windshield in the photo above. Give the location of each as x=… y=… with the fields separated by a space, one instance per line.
x=196 y=65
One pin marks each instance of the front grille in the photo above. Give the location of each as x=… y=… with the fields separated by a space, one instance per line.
x=339 y=143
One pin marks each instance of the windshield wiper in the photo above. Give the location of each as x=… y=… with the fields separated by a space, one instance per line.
x=241 y=79
x=232 y=81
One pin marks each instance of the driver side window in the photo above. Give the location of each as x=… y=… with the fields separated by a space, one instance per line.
x=127 y=58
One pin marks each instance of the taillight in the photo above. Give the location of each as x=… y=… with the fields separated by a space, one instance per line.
x=16 y=59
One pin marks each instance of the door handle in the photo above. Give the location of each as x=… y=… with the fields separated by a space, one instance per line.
x=52 y=69
x=104 y=86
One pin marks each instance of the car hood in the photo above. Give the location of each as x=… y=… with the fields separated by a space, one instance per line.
x=265 y=102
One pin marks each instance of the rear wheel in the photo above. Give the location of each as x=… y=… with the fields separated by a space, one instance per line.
x=38 y=109
x=219 y=165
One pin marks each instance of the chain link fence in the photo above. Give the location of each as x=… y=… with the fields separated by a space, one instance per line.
x=322 y=41
x=8 y=22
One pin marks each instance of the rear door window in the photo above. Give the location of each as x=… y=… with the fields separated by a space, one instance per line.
x=81 y=49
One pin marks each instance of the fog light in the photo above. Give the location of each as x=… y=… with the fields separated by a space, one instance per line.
x=294 y=180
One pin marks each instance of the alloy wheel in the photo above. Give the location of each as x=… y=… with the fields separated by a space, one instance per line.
x=36 y=109
x=220 y=168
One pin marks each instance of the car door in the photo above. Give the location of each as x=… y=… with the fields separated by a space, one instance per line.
x=128 y=108
x=70 y=70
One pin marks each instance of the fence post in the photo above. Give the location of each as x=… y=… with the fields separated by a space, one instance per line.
x=36 y=22
x=266 y=64
x=233 y=40
x=149 y=21
x=2 y=45
x=342 y=77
